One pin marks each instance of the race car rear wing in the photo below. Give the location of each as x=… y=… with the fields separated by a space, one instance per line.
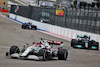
x=53 y=41
x=81 y=36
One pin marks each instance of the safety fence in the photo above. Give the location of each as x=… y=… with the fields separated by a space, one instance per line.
x=83 y=19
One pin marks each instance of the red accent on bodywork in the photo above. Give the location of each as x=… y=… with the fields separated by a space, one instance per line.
x=54 y=42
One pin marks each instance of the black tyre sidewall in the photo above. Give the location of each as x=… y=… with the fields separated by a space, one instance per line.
x=42 y=52
x=14 y=49
x=73 y=42
x=61 y=54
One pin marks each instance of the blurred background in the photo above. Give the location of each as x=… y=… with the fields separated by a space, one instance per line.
x=6 y=4
x=83 y=15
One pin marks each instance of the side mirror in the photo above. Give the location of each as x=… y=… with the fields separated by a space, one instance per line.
x=77 y=35
x=89 y=37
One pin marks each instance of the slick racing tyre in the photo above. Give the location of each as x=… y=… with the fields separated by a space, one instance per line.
x=14 y=49
x=43 y=52
x=73 y=42
x=62 y=54
x=35 y=27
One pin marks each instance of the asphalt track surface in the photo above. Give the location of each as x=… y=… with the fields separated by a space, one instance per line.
x=12 y=34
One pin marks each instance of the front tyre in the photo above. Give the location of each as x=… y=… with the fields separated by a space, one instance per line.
x=14 y=49
x=73 y=42
x=43 y=52
x=62 y=54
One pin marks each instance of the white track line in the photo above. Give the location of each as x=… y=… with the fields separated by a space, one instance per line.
x=4 y=47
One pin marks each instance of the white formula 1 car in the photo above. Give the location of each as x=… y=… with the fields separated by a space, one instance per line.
x=38 y=51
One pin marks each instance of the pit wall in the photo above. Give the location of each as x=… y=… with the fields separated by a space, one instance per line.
x=65 y=33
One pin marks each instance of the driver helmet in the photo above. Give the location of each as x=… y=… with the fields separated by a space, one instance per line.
x=29 y=23
x=85 y=34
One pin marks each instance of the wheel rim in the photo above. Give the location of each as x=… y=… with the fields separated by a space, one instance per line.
x=65 y=55
x=44 y=56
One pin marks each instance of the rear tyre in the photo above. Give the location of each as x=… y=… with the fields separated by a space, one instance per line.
x=35 y=27
x=14 y=49
x=73 y=42
x=42 y=52
x=62 y=54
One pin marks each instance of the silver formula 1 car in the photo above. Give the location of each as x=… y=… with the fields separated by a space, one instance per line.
x=38 y=51
x=84 y=42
